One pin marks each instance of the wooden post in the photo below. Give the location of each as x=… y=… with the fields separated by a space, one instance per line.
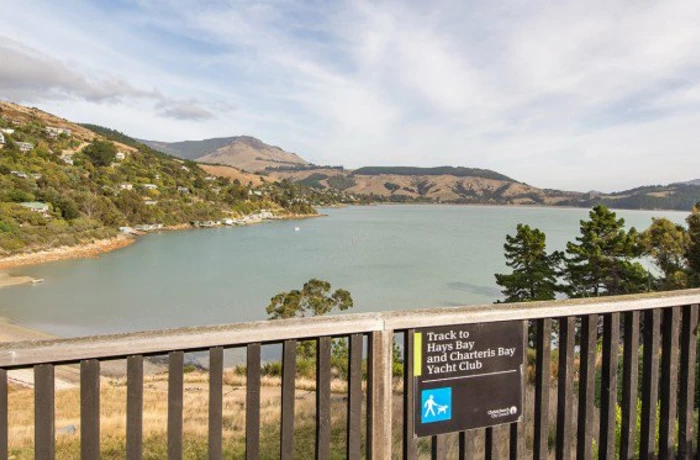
x=381 y=349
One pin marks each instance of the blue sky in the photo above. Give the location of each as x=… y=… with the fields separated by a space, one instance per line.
x=575 y=95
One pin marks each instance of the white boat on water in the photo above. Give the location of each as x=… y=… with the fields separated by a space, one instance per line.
x=296 y=229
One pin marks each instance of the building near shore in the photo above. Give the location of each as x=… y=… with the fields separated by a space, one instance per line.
x=2 y=138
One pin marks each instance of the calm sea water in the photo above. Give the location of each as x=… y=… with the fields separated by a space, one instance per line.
x=388 y=257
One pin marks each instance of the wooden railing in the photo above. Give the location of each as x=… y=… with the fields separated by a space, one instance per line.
x=664 y=324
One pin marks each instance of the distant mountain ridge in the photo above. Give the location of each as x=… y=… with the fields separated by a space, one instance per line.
x=442 y=184
x=244 y=152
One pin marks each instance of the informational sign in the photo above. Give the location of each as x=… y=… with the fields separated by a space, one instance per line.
x=467 y=376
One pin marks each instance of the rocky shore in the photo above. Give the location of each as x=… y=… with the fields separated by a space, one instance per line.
x=66 y=252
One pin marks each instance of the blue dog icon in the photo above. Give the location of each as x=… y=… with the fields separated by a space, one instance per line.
x=436 y=405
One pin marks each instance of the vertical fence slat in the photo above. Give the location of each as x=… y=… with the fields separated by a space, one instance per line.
x=176 y=361
x=669 y=385
x=4 y=419
x=565 y=387
x=687 y=381
x=608 y=386
x=630 y=372
x=252 y=402
x=216 y=382
x=438 y=447
x=134 y=407
x=323 y=398
x=409 y=444
x=467 y=448
x=44 y=412
x=369 y=402
x=289 y=366
x=518 y=430
x=354 y=412
x=650 y=384
x=586 y=395
x=493 y=442
x=90 y=409
x=542 y=376
x=381 y=344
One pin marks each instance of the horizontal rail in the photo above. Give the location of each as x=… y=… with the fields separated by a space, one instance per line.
x=22 y=354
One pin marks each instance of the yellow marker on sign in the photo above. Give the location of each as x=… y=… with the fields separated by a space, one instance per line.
x=417 y=354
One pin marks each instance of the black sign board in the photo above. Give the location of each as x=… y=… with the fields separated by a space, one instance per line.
x=467 y=376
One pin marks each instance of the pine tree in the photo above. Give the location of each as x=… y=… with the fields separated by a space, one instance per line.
x=693 y=253
x=534 y=275
x=602 y=260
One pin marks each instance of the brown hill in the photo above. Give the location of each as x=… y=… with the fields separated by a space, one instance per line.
x=243 y=152
x=229 y=172
x=442 y=188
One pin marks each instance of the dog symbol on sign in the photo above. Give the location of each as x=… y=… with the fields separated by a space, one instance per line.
x=436 y=405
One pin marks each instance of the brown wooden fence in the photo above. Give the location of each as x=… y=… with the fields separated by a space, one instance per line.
x=663 y=327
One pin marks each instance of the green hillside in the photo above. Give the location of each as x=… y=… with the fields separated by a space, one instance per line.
x=79 y=186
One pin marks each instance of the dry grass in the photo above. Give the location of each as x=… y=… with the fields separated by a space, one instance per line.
x=195 y=403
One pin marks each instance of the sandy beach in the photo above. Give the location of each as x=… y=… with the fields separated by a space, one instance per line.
x=66 y=252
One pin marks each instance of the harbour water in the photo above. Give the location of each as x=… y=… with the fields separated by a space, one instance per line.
x=388 y=257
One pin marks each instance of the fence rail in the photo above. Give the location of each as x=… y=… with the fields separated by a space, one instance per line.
x=662 y=325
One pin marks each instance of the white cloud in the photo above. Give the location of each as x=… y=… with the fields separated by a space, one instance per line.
x=584 y=95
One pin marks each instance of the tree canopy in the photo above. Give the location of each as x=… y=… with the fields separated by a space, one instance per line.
x=534 y=275
x=667 y=244
x=101 y=153
x=602 y=260
x=693 y=251
x=314 y=299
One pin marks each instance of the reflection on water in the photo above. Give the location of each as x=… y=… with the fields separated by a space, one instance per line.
x=486 y=291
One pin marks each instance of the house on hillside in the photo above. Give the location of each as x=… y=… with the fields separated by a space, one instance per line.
x=7 y=131
x=150 y=186
x=19 y=174
x=2 y=138
x=36 y=176
x=120 y=156
x=36 y=206
x=67 y=158
x=25 y=146
x=53 y=133
x=126 y=187
x=183 y=190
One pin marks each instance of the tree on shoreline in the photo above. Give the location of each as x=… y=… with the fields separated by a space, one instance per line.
x=534 y=275
x=602 y=260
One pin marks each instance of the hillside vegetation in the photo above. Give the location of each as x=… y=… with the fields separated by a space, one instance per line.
x=437 y=171
x=83 y=183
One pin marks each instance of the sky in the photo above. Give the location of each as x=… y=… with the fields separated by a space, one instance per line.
x=575 y=95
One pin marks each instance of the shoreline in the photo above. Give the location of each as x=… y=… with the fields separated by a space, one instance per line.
x=96 y=248
x=81 y=251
